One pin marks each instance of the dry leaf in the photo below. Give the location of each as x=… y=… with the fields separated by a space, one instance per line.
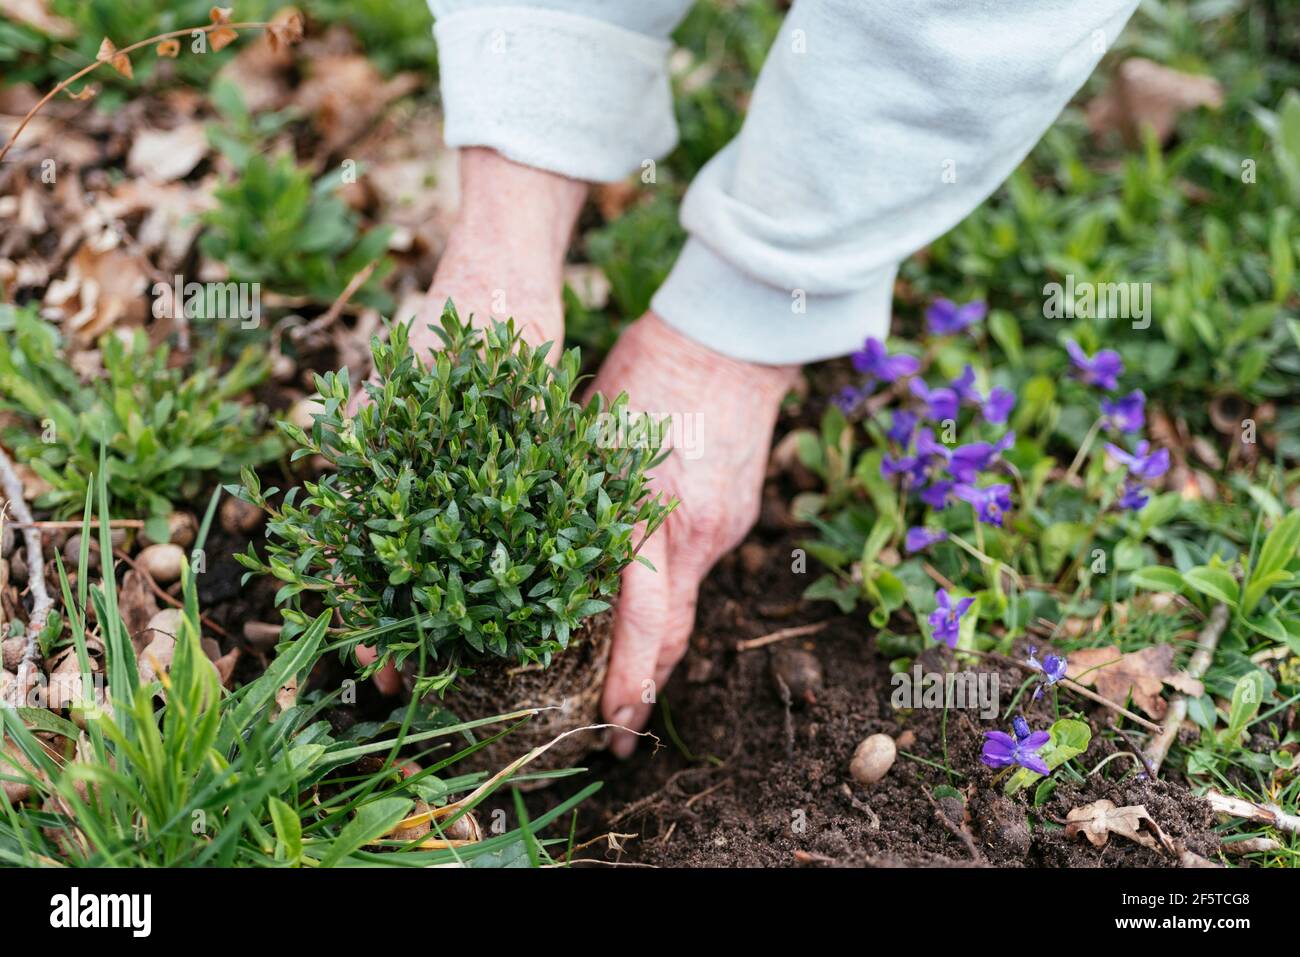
x=345 y=93
x=87 y=92
x=1100 y=819
x=1139 y=674
x=285 y=30
x=165 y=155
x=36 y=13
x=118 y=61
x=223 y=36
x=169 y=48
x=1146 y=94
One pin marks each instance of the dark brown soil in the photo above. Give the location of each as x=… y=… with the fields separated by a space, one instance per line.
x=752 y=782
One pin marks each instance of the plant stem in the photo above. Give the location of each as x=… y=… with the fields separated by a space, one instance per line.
x=1084 y=448
x=86 y=70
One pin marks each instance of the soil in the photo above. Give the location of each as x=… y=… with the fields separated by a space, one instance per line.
x=769 y=783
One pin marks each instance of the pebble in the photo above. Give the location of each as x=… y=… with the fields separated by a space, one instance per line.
x=873 y=758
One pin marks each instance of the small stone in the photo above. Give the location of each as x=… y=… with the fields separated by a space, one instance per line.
x=872 y=759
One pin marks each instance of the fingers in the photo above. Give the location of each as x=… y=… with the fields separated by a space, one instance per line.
x=643 y=617
x=387 y=680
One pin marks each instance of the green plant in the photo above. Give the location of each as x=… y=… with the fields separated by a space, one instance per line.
x=472 y=510
x=273 y=225
x=168 y=430
x=239 y=779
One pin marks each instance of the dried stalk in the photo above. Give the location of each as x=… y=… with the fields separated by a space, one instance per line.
x=107 y=59
x=42 y=603
x=1269 y=814
x=1158 y=748
x=797 y=631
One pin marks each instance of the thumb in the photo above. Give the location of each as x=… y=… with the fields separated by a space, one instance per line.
x=640 y=628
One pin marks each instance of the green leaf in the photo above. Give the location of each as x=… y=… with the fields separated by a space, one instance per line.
x=1279 y=546
x=1157 y=578
x=288 y=830
x=1247 y=696
x=372 y=821
x=1217 y=583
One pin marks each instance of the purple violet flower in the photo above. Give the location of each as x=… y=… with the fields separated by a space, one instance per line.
x=848 y=398
x=1052 y=668
x=918 y=538
x=1102 y=370
x=873 y=360
x=998 y=405
x=903 y=426
x=991 y=503
x=1133 y=498
x=1141 y=463
x=967 y=461
x=1020 y=748
x=938 y=494
x=1127 y=414
x=944 y=317
x=945 y=621
x=940 y=403
x=930 y=457
x=964 y=386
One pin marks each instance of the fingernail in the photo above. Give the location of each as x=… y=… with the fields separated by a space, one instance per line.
x=623 y=715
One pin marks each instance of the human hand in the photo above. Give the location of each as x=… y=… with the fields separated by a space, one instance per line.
x=505 y=254
x=723 y=413
x=504 y=258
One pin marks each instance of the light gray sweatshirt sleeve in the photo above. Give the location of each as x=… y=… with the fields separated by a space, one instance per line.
x=875 y=126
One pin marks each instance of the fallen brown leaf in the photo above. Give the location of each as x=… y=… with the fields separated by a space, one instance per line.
x=165 y=155
x=1139 y=674
x=36 y=13
x=1100 y=819
x=1145 y=94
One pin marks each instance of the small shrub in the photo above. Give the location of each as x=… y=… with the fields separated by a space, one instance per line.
x=473 y=503
x=167 y=432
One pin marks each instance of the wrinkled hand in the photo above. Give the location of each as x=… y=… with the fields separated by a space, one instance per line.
x=504 y=259
x=505 y=254
x=723 y=412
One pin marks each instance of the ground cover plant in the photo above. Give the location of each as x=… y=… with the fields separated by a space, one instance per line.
x=1071 y=467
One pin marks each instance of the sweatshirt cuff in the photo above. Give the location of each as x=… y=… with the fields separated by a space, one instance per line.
x=564 y=93
x=724 y=308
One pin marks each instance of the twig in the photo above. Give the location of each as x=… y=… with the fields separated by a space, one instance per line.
x=1251 y=845
x=42 y=603
x=160 y=593
x=115 y=523
x=327 y=318
x=1158 y=748
x=87 y=70
x=1076 y=688
x=782 y=634
x=1114 y=706
x=1269 y=814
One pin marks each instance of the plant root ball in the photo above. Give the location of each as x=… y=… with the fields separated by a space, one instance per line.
x=796 y=672
x=872 y=759
x=162 y=561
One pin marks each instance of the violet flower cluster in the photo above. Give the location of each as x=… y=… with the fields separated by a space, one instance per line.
x=938 y=475
x=1124 y=415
